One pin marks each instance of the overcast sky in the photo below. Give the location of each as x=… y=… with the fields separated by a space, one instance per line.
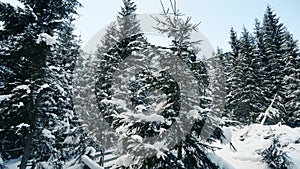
x=216 y=16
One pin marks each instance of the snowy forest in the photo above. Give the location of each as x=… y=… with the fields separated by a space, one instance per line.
x=133 y=104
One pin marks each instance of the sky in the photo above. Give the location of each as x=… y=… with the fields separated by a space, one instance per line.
x=216 y=16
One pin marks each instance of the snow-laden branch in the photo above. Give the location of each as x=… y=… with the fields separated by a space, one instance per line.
x=270 y=110
x=44 y=37
x=90 y=163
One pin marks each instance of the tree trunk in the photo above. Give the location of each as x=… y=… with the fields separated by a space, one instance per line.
x=29 y=137
x=28 y=146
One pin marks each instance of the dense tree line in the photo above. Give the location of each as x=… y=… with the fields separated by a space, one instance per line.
x=129 y=82
x=263 y=74
x=263 y=81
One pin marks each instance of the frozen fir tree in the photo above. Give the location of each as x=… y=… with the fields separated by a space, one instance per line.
x=39 y=58
x=108 y=40
x=275 y=156
x=232 y=76
x=127 y=21
x=126 y=26
x=261 y=75
x=276 y=56
x=141 y=98
x=87 y=73
x=85 y=103
x=243 y=91
x=289 y=94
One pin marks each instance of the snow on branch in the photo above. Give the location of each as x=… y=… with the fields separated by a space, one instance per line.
x=269 y=112
x=44 y=37
x=90 y=163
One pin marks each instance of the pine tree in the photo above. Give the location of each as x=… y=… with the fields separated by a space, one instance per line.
x=247 y=93
x=117 y=35
x=59 y=146
x=86 y=104
x=264 y=70
x=234 y=43
x=290 y=86
x=108 y=40
x=127 y=21
x=143 y=86
x=273 y=38
x=231 y=64
x=259 y=67
x=189 y=152
x=236 y=78
x=15 y=75
x=275 y=157
x=42 y=76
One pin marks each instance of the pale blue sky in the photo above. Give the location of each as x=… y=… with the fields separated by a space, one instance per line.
x=216 y=16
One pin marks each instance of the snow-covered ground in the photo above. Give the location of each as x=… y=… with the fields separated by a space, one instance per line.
x=12 y=164
x=250 y=141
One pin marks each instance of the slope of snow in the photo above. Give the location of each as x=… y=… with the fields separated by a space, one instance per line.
x=12 y=164
x=250 y=141
x=1 y=161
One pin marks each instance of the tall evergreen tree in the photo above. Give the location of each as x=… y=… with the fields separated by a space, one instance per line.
x=264 y=70
x=234 y=79
x=273 y=38
x=127 y=21
x=234 y=43
x=144 y=92
x=259 y=63
x=109 y=39
x=289 y=94
x=118 y=33
x=272 y=45
x=43 y=75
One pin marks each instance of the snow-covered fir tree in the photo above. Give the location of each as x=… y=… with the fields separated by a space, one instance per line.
x=127 y=21
x=37 y=117
x=135 y=87
x=290 y=87
x=87 y=74
x=264 y=73
x=108 y=40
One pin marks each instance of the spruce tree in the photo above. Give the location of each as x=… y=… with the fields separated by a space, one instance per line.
x=264 y=69
x=118 y=34
x=42 y=76
x=109 y=40
x=235 y=79
x=290 y=86
x=128 y=105
x=273 y=38
x=127 y=21
x=248 y=91
x=259 y=63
